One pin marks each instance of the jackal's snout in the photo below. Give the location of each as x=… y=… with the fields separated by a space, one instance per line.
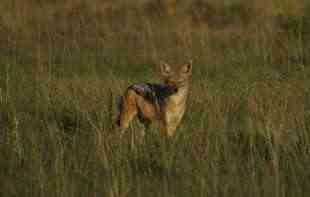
x=175 y=84
x=172 y=88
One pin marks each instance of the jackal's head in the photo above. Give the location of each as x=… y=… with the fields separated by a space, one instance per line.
x=177 y=76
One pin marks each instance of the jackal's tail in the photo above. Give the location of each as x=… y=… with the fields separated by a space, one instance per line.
x=114 y=110
x=120 y=104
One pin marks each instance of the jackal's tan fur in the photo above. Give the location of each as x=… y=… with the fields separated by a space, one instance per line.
x=163 y=104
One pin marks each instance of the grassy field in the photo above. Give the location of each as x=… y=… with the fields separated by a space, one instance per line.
x=246 y=131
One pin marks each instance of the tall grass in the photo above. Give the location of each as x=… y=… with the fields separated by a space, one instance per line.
x=63 y=66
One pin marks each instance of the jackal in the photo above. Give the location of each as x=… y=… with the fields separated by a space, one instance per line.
x=163 y=104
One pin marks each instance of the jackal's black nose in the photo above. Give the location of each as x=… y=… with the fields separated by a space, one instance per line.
x=173 y=89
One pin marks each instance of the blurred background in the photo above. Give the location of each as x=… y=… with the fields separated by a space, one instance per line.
x=106 y=32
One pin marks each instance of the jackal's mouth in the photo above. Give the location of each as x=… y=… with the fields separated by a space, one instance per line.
x=176 y=84
x=173 y=89
x=171 y=86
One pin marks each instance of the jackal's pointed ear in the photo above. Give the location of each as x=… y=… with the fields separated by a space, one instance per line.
x=188 y=67
x=165 y=68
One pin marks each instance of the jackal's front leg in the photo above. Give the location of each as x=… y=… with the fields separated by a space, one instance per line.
x=171 y=131
x=166 y=129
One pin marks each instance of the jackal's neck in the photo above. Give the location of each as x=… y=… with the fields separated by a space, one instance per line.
x=180 y=96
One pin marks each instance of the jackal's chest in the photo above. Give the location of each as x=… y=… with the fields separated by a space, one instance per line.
x=174 y=116
x=174 y=109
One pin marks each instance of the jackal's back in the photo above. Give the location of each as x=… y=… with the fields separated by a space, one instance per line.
x=153 y=93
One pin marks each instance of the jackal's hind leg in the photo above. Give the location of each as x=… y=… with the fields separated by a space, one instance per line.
x=128 y=110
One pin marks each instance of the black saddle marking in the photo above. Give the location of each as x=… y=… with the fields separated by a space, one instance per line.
x=154 y=93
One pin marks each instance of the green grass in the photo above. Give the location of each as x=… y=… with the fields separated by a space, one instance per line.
x=246 y=131
x=240 y=137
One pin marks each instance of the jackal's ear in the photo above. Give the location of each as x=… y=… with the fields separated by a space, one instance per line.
x=187 y=68
x=165 y=68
